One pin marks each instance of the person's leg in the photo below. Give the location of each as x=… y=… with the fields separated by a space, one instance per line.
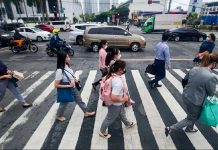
x=3 y=86
x=81 y=104
x=15 y=92
x=60 y=112
x=159 y=73
x=123 y=117
x=113 y=113
x=98 y=82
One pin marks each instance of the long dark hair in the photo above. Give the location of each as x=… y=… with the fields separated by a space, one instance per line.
x=110 y=55
x=103 y=42
x=119 y=64
x=61 y=57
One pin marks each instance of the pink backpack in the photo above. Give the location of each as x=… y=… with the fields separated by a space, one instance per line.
x=106 y=90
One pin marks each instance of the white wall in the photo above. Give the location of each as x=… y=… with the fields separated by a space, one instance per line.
x=198 y=4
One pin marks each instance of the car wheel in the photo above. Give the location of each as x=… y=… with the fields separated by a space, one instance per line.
x=39 y=39
x=79 y=40
x=135 y=47
x=33 y=48
x=177 y=38
x=200 y=39
x=95 y=47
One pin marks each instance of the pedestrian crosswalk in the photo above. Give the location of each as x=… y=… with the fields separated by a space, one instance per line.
x=36 y=127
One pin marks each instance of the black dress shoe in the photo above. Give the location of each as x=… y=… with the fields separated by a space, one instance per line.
x=27 y=106
x=191 y=130
x=157 y=85
x=151 y=85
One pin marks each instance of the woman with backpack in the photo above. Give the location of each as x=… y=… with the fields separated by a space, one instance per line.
x=6 y=82
x=65 y=74
x=102 y=56
x=117 y=98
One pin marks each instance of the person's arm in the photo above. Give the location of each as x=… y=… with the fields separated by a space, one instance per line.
x=58 y=85
x=8 y=76
x=21 y=36
x=167 y=55
x=211 y=86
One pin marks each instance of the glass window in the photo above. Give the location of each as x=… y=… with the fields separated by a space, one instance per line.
x=93 y=31
x=21 y=30
x=29 y=30
x=108 y=31
x=58 y=23
x=119 y=31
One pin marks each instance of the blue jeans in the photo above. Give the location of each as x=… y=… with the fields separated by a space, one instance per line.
x=6 y=83
x=160 y=71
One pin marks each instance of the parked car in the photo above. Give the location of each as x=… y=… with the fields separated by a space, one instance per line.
x=5 y=37
x=11 y=26
x=45 y=27
x=116 y=37
x=62 y=25
x=77 y=31
x=35 y=33
x=186 y=33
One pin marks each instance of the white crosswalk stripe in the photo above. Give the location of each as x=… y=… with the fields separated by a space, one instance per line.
x=131 y=137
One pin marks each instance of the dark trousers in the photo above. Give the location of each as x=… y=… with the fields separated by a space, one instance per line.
x=104 y=72
x=160 y=71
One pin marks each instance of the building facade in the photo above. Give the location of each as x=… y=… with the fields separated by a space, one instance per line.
x=139 y=8
x=195 y=6
x=209 y=13
x=23 y=10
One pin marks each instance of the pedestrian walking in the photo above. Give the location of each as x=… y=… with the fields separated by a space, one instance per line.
x=118 y=98
x=201 y=84
x=162 y=57
x=65 y=74
x=206 y=46
x=102 y=56
x=112 y=56
x=6 y=82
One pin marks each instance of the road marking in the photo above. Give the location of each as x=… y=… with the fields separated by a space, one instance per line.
x=152 y=59
x=180 y=114
x=30 y=89
x=97 y=141
x=182 y=75
x=7 y=137
x=35 y=73
x=40 y=134
x=131 y=136
x=71 y=135
x=155 y=120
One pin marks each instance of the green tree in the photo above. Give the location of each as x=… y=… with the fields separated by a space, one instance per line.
x=192 y=19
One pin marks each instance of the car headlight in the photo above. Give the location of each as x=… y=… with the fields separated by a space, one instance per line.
x=142 y=38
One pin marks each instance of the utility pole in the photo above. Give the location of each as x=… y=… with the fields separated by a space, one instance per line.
x=169 y=6
x=42 y=11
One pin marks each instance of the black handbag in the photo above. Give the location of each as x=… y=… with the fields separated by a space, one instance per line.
x=150 y=69
x=78 y=83
x=184 y=82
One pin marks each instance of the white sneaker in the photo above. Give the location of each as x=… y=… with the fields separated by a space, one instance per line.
x=131 y=125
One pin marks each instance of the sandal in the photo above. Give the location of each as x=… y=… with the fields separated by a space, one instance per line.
x=188 y=130
x=89 y=114
x=27 y=105
x=131 y=125
x=105 y=135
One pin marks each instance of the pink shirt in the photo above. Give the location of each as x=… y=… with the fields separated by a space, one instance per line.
x=102 y=57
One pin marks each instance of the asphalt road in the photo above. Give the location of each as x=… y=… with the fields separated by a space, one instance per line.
x=154 y=109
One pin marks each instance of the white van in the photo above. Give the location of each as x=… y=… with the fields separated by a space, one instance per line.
x=62 y=25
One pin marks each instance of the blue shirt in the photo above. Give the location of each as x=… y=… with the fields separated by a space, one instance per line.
x=55 y=41
x=162 y=52
x=207 y=46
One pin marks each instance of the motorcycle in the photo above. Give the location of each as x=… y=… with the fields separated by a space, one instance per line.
x=27 y=44
x=64 y=46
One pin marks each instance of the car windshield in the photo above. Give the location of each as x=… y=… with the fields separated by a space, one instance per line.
x=37 y=29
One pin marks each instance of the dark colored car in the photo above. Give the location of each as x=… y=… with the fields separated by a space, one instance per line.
x=11 y=26
x=186 y=33
x=45 y=27
x=5 y=37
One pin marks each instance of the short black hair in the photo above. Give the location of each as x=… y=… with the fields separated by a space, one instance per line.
x=165 y=37
x=213 y=37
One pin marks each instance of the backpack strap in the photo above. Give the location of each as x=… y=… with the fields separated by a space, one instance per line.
x=64 y=74
x=71 y=74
